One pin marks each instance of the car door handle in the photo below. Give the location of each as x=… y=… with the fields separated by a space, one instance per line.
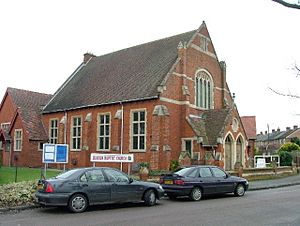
x=85 y=185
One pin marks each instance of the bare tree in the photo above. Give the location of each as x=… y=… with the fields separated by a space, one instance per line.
x=287 y=4
x=297 y=70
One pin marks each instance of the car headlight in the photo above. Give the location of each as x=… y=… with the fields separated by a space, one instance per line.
x=160 y=187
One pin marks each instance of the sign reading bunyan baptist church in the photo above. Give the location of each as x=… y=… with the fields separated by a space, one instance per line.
x=95 y=157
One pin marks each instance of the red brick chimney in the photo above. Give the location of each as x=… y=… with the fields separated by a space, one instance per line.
x=87 y=57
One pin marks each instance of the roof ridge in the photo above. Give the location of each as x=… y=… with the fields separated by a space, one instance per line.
x=147 y=43
x=25 y=90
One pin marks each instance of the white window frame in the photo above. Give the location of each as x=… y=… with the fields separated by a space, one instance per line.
x=5 y=126
x=39 y=144
x=76 y=136
x=53 y=139
x=183 y=145
x=204 y=87
x=132 y=135
x=18 y=140
x=104 y=136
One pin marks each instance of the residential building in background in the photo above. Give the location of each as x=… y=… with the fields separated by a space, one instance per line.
x=270 y=142
x=22 y=133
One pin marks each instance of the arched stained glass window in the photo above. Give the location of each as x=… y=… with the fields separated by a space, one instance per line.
x=204 y=90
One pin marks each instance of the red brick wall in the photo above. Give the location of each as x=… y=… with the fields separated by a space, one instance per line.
x=7 y=112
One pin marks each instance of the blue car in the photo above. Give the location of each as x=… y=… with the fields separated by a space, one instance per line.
x=79 y=188
x=196 y=181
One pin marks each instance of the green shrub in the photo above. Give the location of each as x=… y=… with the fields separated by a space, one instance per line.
x=289 y=147
x=286 y=158
x=158 y=172
x=174 y=164
x=17 y=194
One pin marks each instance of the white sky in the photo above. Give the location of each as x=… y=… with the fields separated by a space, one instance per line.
x=42 y=43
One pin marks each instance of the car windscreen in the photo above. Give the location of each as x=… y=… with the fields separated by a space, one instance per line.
x=66 y=174
x=182 y=172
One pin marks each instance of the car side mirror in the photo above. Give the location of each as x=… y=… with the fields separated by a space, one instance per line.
x=130 y=180
x=227 y=175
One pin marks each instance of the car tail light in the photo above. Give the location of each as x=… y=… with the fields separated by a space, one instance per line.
x=179 y=182
x=49 y=188
x=161 y=181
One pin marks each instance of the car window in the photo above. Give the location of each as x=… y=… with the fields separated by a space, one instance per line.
x=205 y=172
x=66 y=174
x=115 y=176
x=193 y=173
x=95 y=176
x=183 y=171
x=83 y=178
x=218 y=172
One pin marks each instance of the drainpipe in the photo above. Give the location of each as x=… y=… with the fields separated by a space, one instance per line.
x=122 y=132
x=65 y=129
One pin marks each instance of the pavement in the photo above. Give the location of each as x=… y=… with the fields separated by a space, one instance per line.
x=253 y=185
x=274 y=183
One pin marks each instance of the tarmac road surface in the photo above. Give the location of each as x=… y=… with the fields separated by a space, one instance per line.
x=280 y=206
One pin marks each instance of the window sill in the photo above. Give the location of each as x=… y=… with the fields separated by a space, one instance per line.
x=137 y=151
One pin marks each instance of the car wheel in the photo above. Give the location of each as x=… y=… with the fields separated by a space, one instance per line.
x=150 y=198
x=77 y=203
x=196 y=194
x=239 y=190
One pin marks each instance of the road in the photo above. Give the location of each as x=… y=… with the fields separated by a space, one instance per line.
x=279 y=206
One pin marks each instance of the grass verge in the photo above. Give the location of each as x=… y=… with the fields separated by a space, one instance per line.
x=9 y=175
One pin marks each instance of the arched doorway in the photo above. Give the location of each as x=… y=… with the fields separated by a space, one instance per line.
x=239 y=150
x=228 y=152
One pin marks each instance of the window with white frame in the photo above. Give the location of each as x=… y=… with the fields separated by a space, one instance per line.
x=204 y=90
x=40 y=146
x=53 y=131
x=76 y=133
x=104 y=132
x=138 y=130
x=5 y=126
x=187 y=145
x=18 y=140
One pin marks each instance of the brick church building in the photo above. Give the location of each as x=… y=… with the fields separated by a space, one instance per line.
x=161 y=101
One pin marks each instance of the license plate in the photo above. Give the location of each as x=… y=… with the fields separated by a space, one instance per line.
x=40 y=186
x=168 y=182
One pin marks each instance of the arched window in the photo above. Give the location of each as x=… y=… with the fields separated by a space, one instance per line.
x=204 y=89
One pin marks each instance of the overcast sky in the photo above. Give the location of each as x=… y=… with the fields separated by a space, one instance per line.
x=42 y=43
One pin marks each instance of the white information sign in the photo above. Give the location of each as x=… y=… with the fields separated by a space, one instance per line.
x=261 y=163
x=95 y=157
x=55 y=153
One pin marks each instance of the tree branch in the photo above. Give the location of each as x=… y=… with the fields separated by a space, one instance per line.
x=282 y=94
x=286 y=4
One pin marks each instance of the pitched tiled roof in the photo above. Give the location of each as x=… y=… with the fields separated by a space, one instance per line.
x=276 y=135
x=126 y=75
x=249 y=123
x=210 y=125
x=29 y=107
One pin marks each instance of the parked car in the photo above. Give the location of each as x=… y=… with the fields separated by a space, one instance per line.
x=196 y=181
x=79 y=188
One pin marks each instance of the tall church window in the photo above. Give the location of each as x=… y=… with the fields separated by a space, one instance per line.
x=76 y=131
x=53 y=131
x=204 y=90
